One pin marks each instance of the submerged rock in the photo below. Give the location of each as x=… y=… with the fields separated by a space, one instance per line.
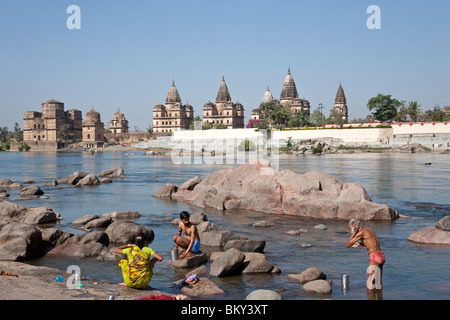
x=263 y=294
x=112 y=173
x=318 y=287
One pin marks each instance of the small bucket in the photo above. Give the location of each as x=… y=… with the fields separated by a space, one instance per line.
x=345 y=281
x=174 y=254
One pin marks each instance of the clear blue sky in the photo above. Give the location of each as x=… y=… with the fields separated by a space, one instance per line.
x=127 y=52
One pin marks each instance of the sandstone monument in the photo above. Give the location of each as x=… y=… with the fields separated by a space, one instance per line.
x=93 y=130
x=174 y=115
x=41 y=129
x=289 y=99
x=340 y=103
x=224 y=112
x=118 y=123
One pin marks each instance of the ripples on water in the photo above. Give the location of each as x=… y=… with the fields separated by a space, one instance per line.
x=412 y=271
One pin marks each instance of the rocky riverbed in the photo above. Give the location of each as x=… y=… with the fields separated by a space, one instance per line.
x=25 y=234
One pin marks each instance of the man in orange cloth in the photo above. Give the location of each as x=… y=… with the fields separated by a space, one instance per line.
x=364 y=236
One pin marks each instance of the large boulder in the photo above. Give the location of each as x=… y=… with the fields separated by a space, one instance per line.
x=88 y=180
x=12 y=210
x=254 y=262
x=31 y=191
x=85 y=219
x=263 y=294
x=5 y=183
x=40 y=215
x=430 y=235
x=55 y=236
x=103 y=222
x=73 y=178
x=444 y=223
x=112 y=173
x=308 y=275
x=80 y=250
x=213 y=235
x=29 y=215
x=190 y=262
x=245 y=245
x=123 y=232
x=20 y=241
x=203 y=288
x=318 y=287
x=228 y=263
x=313 y=194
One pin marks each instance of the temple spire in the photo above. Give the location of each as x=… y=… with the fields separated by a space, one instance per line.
x=173 y=96
x=223 y=95
x=289 y=90
x=340 y=95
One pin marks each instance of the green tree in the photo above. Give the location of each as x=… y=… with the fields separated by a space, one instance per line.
x=402 y=114
x=267 y=110
x=4 y=135
x=337 y=118
x=383 y=107
x=299 y=119
x=436 y=114
x=281 y=115
x=413 y=110
x=317 y=118
x=64 y=135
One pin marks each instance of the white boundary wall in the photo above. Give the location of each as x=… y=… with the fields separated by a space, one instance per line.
x=425 y=133
x=421 y=128
x=346 y=136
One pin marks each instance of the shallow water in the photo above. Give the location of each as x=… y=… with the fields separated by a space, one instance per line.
x=412 y=271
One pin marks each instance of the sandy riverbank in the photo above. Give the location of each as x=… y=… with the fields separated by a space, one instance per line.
x=39 y=283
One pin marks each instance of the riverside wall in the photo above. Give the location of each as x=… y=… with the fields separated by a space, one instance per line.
x=432 y=135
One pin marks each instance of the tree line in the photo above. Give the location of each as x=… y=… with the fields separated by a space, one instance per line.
x=7 y=136
x=383 y=108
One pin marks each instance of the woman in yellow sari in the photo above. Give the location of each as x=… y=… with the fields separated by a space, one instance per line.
x=137 y=268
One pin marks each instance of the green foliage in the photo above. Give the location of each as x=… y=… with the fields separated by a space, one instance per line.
x=23 y=146
x=247 y=145
x=336 y=118
x=383 y=107
x=317 y=149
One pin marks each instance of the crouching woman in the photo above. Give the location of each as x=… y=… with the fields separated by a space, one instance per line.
x=137 y=268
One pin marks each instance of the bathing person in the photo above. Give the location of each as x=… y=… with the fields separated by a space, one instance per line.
x=191 y=242
x=137 y=268
x=364 y=236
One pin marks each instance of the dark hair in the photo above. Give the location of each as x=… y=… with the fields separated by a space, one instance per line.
x=140 y=239
x=184 y=215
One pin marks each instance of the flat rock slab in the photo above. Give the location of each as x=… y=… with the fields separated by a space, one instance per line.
x=204 y=287
x=190 y=262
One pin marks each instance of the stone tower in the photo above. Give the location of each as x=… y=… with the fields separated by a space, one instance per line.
x=118 y=123
x=340 y=103
x=41 y=130
x=93 y=130
x=224 y=112
x=173 y=116
x=289 y=97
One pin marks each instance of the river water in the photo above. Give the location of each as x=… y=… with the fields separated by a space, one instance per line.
x=402 y=181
